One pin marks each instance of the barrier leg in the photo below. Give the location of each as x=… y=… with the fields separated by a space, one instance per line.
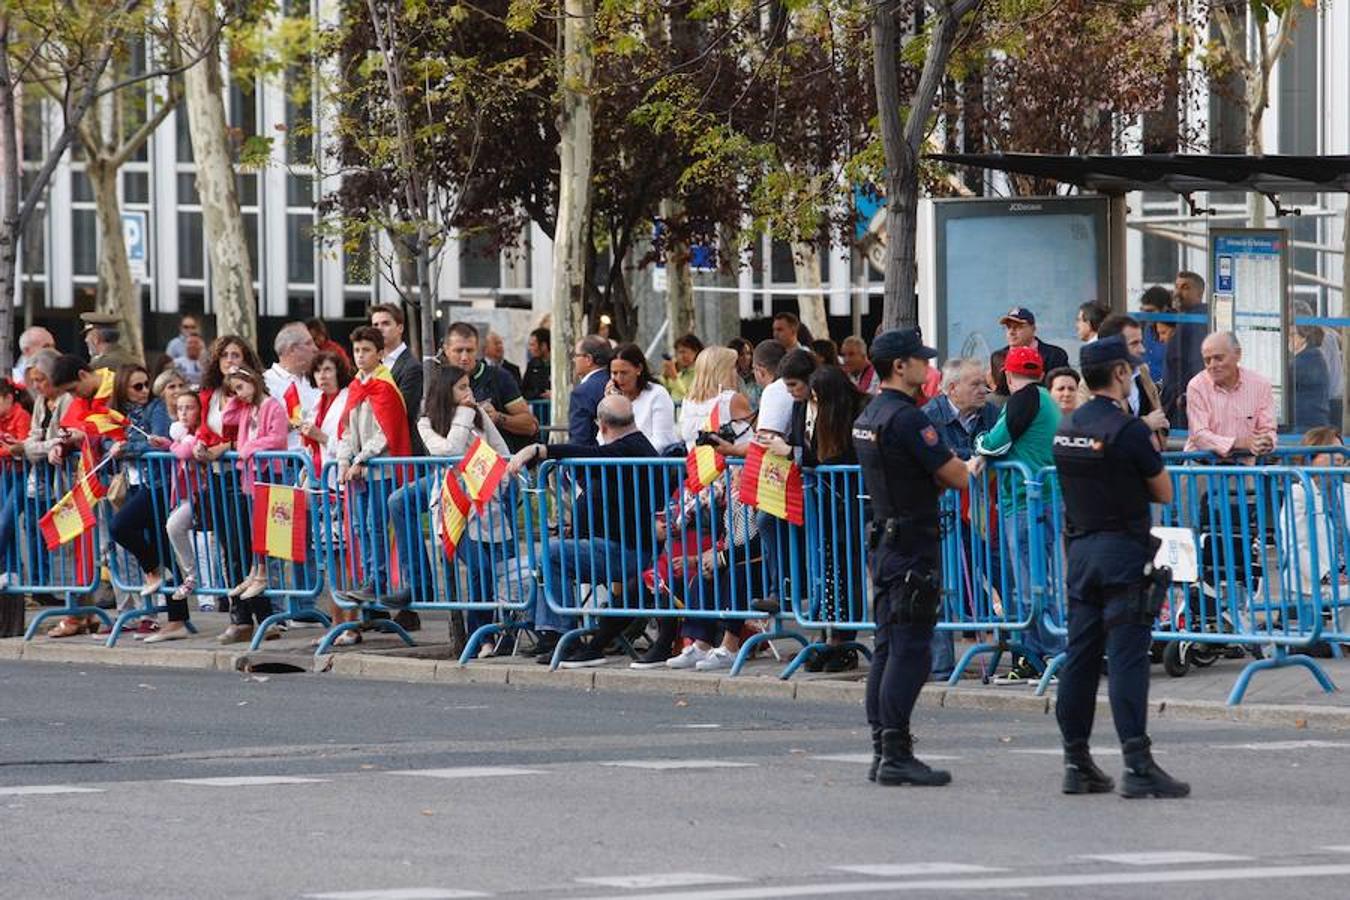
x=1281 y=658
x=805 y=653
x=1044 y=684
x=481 y=634
x=564 y=644
x=756 y=639
x=313 y=614
x=126 y=618
x=326 y=645
x=67 y=610
x=389 y=626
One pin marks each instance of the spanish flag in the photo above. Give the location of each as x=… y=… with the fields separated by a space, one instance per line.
x=280 y=521
x=702 y=465
x=483 y=470
x=772 y=484
x=386 y=401
x=291 y=399
x=73 y=514
x=455 y=506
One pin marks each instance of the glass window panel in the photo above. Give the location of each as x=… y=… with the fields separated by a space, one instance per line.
x=187 y=189
x=81 y=189
x=251 y=235
x=479 y=265
x=84 y=242
x=136 y=187
x=34 y=247
x=247 y=187
x=299 y=190
x=782 y=270
x=183 y=136
x=32 y=131
x=1160 y=260
x=191 y=262
x=300 y=305
x=300 y=249
x=243 y=110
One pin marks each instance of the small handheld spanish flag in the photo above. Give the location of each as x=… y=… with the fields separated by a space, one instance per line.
x=772 y=484
x=483 y=470
x=73 y=514
x=455 y=506
x=280 y=521
x=294 y=414
x=703 y=464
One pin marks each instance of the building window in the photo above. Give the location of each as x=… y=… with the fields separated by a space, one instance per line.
x=480 y=266
x=136 y=187
x=300 y=248
x=187 y=189
x=84 y=242
x=191 y=263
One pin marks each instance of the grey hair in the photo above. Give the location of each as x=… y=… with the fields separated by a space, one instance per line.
x=1231 y=338
x=30 y=335
x=615 y=411
x=954 y=368
x=597 y=348
x=44 y=361
x=290 y=335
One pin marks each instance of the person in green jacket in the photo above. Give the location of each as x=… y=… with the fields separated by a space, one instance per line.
x=678 y=373
x=1025 y=433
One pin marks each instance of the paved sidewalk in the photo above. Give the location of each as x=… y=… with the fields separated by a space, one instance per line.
x=1287 y=696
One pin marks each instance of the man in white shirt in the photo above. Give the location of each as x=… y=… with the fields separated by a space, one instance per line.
x=402 y=364
x=187 y=326
x=30 y=342
x=190 y=364
x=775 y=403
x=288 y=378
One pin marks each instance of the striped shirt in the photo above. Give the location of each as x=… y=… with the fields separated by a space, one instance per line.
x=1220 y=417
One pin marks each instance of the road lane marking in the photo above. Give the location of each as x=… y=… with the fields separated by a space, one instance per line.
x=1059 y=751
x=32 y=790
x=663 y=765
x=1337 y=848
x=667 y=880
x=399 y=894
x=867 y=757
x=1165 y=858
x=899 y=870
x=248 y=780
x=1007 y=883
x=1286 y=745
x=468 y=772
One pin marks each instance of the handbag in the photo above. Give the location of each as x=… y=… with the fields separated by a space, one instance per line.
x=117 y=490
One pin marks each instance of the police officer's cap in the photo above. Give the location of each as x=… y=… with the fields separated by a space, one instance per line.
x=98 y=320
x=1105 y=351
x=901 y=343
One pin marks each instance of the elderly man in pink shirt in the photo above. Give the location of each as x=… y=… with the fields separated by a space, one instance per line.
x=1230 y=408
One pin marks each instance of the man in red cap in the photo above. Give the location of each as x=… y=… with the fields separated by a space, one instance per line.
x=1019 y=325
x=1025 y=433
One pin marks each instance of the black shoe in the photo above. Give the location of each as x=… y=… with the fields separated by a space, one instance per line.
x=818 y=658
x=544 y=647
x=876 y=754
x=898 y=765
x=409 y=620
x=843 y=659
x=397 y=600
x=654 y=658
x=583 y=657
x=1081 y=775
x=1144 y=777
x=1022 y=672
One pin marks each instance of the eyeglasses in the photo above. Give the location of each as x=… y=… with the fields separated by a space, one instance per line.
x=139 y=386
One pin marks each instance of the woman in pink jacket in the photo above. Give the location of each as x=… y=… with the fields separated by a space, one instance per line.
x=262 y=426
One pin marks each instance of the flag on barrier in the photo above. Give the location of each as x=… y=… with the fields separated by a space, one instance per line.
x=455 y=506
x=280 y=521
x=483 y=470
x=73 y=514
x=772 y=484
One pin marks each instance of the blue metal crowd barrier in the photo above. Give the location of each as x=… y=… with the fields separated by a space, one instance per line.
x=386 y=537
x=647 y=565
x=28 y=489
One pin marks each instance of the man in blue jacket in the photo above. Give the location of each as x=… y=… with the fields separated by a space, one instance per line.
x=590 y=362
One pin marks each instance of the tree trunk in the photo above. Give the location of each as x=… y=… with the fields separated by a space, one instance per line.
x=9 y=204
x=118 y=295
x=902 y=137
x=576 y=130
x=679 y=280
x=811 y=305
x=227 y=244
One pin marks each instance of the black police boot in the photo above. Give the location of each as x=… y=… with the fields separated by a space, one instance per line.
x=1081 y=775
x=876 y=754
x=1144 y=777
x=898 y=765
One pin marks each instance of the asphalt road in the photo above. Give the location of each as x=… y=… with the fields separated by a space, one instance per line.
x=151 y=783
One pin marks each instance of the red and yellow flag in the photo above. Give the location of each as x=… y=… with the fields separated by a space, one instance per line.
x=483 y=470
x=291 y=398
x=455 y=506
x=772 y=484
x=73 y=514
x=702 y=465
x=280 y=521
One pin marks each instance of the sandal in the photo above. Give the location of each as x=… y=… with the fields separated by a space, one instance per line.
x=347 y=639
x=70 y=626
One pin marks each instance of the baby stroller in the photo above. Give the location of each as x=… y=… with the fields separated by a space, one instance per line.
x=1204 y=606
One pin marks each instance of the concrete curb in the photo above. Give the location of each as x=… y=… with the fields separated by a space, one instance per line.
x=385 y=667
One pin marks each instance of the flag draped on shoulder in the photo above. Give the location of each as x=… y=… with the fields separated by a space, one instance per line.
x=280 y=521
x=455 y=508
x=483 y=470
x=93 y=415
x=703 y=464
x=73 y=514
x=386 y=401
x=772 y=484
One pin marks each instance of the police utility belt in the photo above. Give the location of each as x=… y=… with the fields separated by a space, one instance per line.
x=901 y=532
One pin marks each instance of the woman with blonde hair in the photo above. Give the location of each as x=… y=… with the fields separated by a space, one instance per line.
x=714 y=401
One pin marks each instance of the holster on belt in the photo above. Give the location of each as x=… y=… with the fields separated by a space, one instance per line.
x=916 y=600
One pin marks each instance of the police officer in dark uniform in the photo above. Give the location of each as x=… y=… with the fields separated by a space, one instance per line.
x=1108 y=472
x=905 y=467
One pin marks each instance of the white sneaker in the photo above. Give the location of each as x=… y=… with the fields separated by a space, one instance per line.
x=689 y=658
x=717 y=658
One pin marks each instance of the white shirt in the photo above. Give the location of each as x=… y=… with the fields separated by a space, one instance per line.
x=654 y=416
x=392 y=356
x=775 y=408
x=278 y=380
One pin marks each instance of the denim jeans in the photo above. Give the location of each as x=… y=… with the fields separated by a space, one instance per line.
x=405 y=508
x=372 y=517
x=1038 y=638
x=582 y=561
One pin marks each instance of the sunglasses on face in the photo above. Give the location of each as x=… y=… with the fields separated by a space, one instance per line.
x=139 y=386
